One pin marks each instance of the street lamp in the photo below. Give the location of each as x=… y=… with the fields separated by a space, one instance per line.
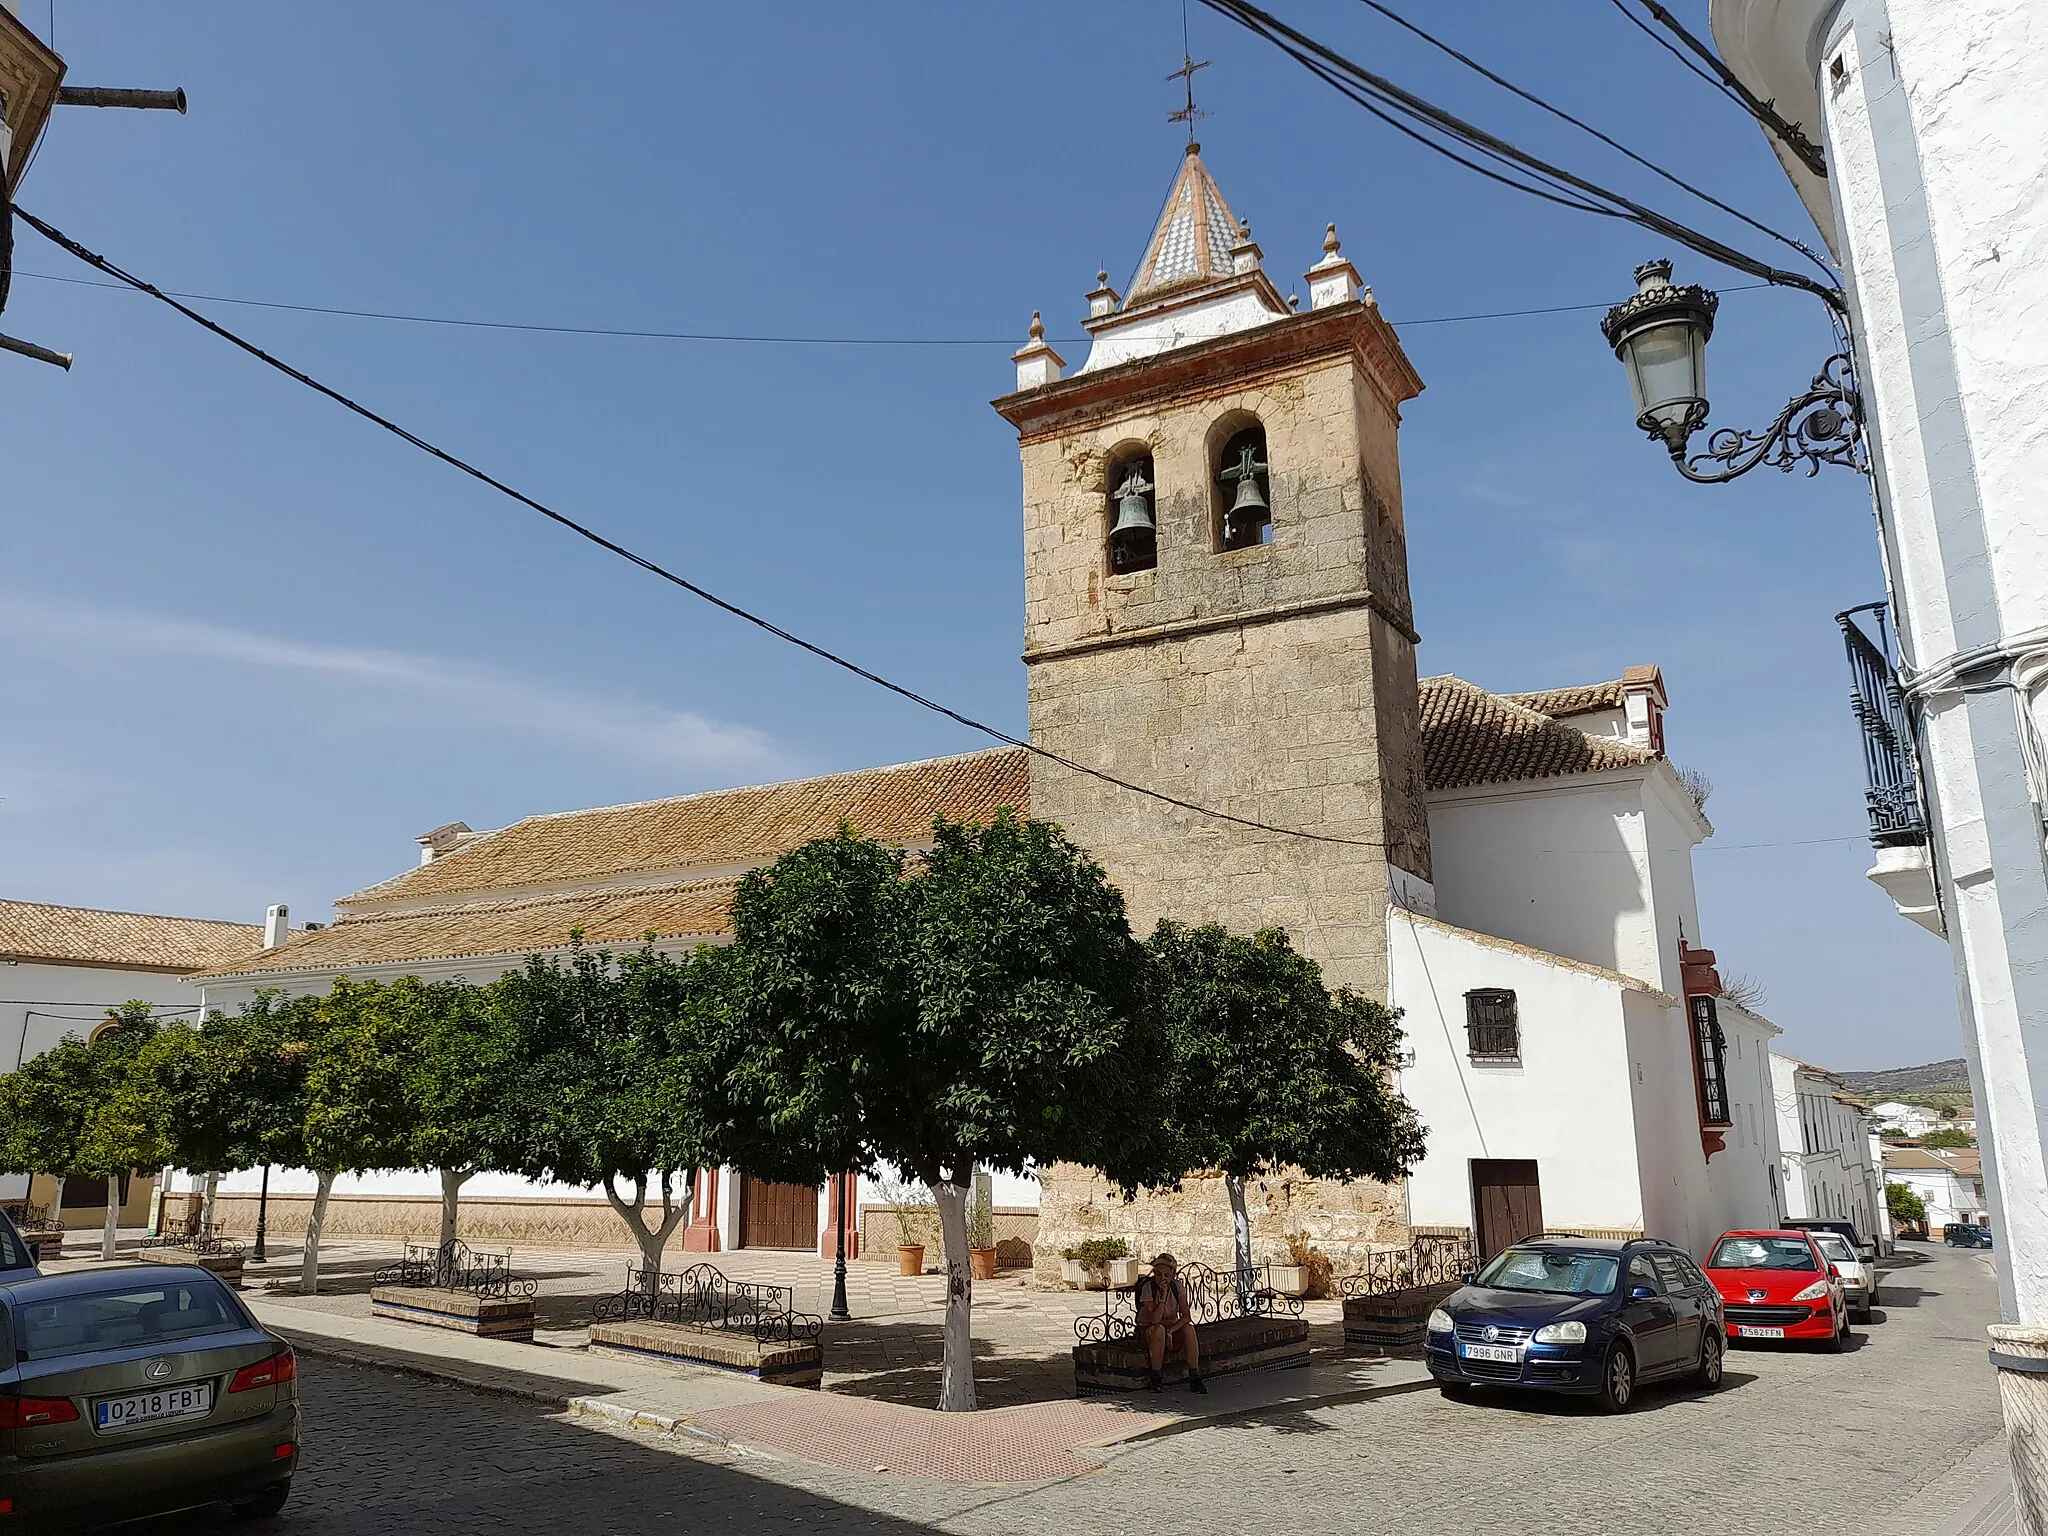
x=1660 y=335
x=840 y=1312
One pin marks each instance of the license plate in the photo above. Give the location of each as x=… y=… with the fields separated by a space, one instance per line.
x=1751 y=1331
x=1506 y=1354
x=193 y=1400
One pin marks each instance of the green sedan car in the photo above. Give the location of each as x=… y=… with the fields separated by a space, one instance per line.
x=133 y=1390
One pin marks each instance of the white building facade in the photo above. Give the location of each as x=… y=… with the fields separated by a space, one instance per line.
x=1950 y=1186
x=1824 y=1137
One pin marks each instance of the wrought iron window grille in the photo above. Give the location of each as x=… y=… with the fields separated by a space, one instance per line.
x=1711 y=1046
x=1493 y=1030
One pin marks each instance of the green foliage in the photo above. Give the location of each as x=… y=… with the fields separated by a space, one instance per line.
x=462 y=1081
x=1097 y=1251
x=1268 y=1069
x=1948 y=1136
x=981 y=1220
x=618 y=1066
x=1904 y=1205
x=227 y=1092
x=975 y=1009
x=353 y=1055
x=82 y=1108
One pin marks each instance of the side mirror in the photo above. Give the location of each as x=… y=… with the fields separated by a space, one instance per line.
x=1466 y=1277
x=1834 y=1271
x=1640 y=1293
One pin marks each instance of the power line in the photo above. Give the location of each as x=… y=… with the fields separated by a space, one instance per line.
x=100 y=263
x=728 y=336
x=1677 y=52
x=1383 y=98
x=1558 y=112
x=1766 y=112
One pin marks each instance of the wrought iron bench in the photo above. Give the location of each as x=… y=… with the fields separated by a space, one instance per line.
x=188 y=1242
x=1387 y=1303
x=703 y=1317
x=451 y=1285
x=1241 y=1324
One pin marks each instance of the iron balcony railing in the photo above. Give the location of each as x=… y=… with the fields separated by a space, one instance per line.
x=1897 y=819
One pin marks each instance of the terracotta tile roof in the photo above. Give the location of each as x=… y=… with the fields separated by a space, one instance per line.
x=1581 y=700
x=35 y=930
x=513 y=928
x=1470 y=736
x=726 y=826
x=1913 y=1157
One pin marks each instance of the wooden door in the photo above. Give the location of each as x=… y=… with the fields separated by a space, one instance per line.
x=778 y=1215
x=1507 y=1204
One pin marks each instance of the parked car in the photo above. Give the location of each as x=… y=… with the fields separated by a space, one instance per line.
x=1579 y=1315
x=128 y=1391
x=16 y=1257
x=1777 y=1285
x=1858 y=1276
x=1966 y=1234
x=1864 y=1246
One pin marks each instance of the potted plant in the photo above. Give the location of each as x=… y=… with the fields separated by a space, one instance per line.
x=981 y=1235
x=1087 y=1264
x=1308 y=1271
x=917 y=1222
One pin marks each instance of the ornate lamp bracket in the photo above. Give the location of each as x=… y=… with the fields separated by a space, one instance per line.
x=1822 y=426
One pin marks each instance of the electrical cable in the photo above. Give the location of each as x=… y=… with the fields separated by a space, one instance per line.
x=1720 y=86
x=100 y=263
x=1793 y=135
x=726 y=336
x=1360 y=83
x=1558 y=112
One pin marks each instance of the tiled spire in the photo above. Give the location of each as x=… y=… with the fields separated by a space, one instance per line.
x=1193 y=240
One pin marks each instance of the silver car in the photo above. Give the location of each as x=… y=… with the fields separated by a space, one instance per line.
x=133 y=1390
x=1859 y=1275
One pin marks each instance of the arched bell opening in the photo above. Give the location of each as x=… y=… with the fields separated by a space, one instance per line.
x=1242 y=484
x=1131 y=491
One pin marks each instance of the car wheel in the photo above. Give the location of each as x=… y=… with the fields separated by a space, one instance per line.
x=1617 y=1381
x=1457 y=1391
x=1875 y=1299
x=1839 y=1341
x=267 y=1503
x=1708 y=1373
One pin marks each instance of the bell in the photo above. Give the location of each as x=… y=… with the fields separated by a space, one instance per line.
x=1133 y=513
x=1249 y=510
x=1249 y=504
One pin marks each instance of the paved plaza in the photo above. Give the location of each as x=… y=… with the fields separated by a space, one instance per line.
x=1901 y=1435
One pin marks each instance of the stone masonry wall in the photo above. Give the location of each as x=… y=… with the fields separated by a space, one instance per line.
x=1346 y=1221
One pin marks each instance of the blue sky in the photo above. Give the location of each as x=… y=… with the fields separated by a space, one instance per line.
x=254 y=647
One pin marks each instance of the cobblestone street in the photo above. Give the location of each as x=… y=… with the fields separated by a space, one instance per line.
x=1899 y=1435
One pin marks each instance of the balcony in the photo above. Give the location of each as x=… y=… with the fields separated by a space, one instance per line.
x=1891 y=797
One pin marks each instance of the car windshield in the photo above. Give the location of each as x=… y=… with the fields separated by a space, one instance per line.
x=118 y=1319
x=1835 y=1248
x=1762 y=1253
x=1553 y=1271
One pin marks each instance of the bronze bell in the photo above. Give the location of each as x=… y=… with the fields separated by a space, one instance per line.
x=1249 y=510
x=1133 y=512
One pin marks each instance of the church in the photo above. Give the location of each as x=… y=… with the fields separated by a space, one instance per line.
x=1216 y=607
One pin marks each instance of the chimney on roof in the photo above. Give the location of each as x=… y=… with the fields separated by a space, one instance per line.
x=447 y=836
x=1644 y=701
x=277 y=925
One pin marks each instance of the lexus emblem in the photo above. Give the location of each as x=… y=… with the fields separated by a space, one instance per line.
x=157 y=1370
x=1492 y=1333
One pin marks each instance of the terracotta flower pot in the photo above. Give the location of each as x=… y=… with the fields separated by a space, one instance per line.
x=983 y=1261
x=910 y=1259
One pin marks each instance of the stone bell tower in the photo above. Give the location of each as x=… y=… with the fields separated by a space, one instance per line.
x=1216 y=591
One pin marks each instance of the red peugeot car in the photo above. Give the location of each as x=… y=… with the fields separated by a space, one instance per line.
x=1778 y=1285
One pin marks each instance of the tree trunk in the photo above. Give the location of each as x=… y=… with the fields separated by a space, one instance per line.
x=113 y=1222
x=956 y=1375
x=57 y=1201
x=652 y=1242
x=206 y=1207
x=309 y=1266
x=452 y=1180
x=1240 y=1220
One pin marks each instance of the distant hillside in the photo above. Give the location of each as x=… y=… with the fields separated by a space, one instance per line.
x=1937 y=1077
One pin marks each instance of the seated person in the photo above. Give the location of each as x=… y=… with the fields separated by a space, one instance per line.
x=1166 y=1321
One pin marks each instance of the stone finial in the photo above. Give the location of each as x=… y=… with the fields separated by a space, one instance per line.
x=1333 y=280
x=1102 y=299
x=1245 y=256
x=1036 y=361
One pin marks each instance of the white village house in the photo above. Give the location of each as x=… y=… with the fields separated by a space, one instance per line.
x=1949 y=1180
x=62 y=968
x=1830 y=1170
x=1216 y=603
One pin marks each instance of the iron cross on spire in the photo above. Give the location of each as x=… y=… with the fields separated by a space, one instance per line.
x=1189 y=114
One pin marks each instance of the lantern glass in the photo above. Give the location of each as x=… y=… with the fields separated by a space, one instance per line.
x=1667 y=371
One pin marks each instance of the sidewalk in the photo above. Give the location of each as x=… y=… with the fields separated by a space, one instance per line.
x=1030 y=1442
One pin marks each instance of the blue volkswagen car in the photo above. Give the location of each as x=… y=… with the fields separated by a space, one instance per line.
x=1580 y=1315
